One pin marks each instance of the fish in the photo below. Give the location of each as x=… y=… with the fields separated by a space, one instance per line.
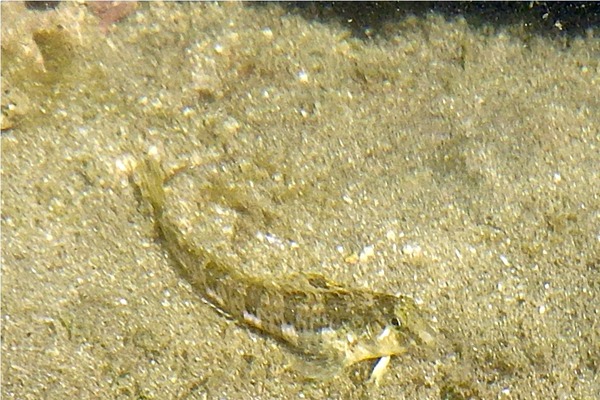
x=338 y=326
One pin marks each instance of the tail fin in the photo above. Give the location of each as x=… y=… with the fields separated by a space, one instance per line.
x=151 y=179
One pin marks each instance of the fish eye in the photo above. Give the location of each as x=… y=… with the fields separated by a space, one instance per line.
x=396 y=322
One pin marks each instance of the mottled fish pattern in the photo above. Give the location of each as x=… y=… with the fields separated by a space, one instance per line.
x=319 y=318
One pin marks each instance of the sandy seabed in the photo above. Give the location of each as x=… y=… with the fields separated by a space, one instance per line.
x=454 y=164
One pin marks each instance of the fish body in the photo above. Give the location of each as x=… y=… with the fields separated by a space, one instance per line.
x=319 y=318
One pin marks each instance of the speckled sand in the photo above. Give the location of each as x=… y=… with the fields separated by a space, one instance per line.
x=455 y=164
